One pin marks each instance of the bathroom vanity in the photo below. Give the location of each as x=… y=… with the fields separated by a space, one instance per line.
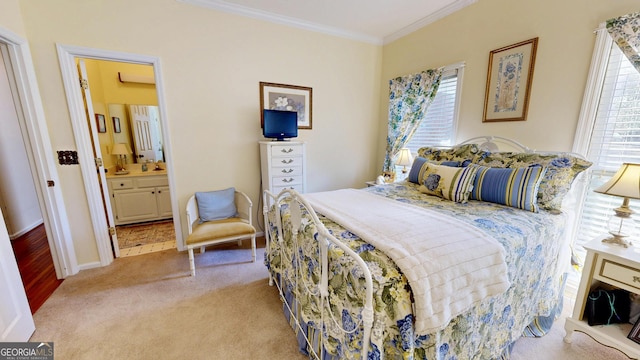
x=140 y=196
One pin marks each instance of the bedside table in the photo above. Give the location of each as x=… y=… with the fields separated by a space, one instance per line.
x=613 y=265
x=370 y=183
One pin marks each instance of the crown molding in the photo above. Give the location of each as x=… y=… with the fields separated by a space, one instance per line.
x=224 y=6
x=445 y=11
x=283 y=20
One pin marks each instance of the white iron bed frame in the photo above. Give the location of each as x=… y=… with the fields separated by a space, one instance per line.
x=324 y=238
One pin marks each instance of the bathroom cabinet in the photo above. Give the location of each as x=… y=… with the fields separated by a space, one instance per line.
x=139 y=198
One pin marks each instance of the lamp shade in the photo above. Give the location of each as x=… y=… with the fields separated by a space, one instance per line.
x=404 y=158
x=625 y=183
x=120 y=149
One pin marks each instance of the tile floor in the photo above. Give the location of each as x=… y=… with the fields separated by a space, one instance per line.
x=145 y=238
x=149 y=248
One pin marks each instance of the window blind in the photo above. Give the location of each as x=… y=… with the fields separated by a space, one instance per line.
x=438 y=126
x=615 y=139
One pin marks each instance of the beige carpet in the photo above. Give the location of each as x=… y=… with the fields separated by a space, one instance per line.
x=148 y=307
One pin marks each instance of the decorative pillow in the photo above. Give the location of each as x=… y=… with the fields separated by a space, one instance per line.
x=216 y=205
x=418 y=167
x=460 y=153
x=562 y=169
x=451 y=183
x=512 y=187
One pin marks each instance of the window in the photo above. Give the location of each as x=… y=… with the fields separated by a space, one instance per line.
x=608 y=133
x=438 y=128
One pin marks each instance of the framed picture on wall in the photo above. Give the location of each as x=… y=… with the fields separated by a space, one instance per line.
x=509 y=82
x=102 y=125
x=287 y=97
x=116 y=124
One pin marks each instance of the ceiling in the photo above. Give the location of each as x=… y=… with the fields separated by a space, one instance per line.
x=373 y=21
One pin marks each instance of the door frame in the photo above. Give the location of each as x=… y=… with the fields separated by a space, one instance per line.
x=67 y=55
x=32 y=121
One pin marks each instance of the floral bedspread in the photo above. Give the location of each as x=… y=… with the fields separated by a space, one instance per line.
x=536 y=255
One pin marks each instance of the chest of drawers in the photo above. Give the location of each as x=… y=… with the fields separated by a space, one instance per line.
x=283 y=165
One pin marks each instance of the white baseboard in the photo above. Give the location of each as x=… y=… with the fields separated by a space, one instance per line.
x=25 y=230
x=91 y=265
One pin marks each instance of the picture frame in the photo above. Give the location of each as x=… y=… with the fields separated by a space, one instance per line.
x=102 y=125
x=634 y=334
x=287 y=97
x=116 y=124
x=509 y=78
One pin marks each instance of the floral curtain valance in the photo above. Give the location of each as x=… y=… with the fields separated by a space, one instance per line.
x=409 y=98
x=625 y=31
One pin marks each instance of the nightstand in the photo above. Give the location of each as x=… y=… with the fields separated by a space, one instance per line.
x=613 y=265
x=371 y=183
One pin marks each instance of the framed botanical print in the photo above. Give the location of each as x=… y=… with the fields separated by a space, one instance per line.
x=509 y=82
x=287 y=97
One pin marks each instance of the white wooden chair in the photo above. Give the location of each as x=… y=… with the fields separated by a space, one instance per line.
x=220 y=231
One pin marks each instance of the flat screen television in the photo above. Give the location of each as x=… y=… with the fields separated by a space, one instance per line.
x=279 y=124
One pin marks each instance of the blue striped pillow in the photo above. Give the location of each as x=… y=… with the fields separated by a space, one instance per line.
x=517 y=187
x=418 y=167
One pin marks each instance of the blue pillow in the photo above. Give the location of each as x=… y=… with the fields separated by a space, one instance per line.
x=517 y=187
x=216 y=205
x=418 y=168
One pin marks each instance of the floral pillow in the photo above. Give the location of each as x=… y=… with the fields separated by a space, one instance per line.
x=562 y=169
x=459 y=153
x=450 y=183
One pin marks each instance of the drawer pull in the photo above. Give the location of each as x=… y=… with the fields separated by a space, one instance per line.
x=636 y=279
x=287 y=161
x=287 y=171
x=286 y=151
x=287 y=180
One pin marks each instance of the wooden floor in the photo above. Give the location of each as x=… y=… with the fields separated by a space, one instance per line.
x=36 y=266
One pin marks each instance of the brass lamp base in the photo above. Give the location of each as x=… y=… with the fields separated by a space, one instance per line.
x=618 y=240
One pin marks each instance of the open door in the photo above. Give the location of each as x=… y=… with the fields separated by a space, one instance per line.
x=16 y=322
x=97 y=154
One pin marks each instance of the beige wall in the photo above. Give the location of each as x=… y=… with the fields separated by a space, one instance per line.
x=212 y=63
x=566 y=39
x=11 y=17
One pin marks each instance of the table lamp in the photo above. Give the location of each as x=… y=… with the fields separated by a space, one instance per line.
x=404 y=159
x=121 y=150
x=626 y=184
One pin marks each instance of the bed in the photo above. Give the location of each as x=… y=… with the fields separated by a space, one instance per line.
x=351 y=288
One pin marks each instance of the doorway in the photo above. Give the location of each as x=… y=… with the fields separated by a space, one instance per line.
x=19 y=201
x=68 y=56
x=129 y=140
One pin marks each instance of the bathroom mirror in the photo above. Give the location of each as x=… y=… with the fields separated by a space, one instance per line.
x=140 y=129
